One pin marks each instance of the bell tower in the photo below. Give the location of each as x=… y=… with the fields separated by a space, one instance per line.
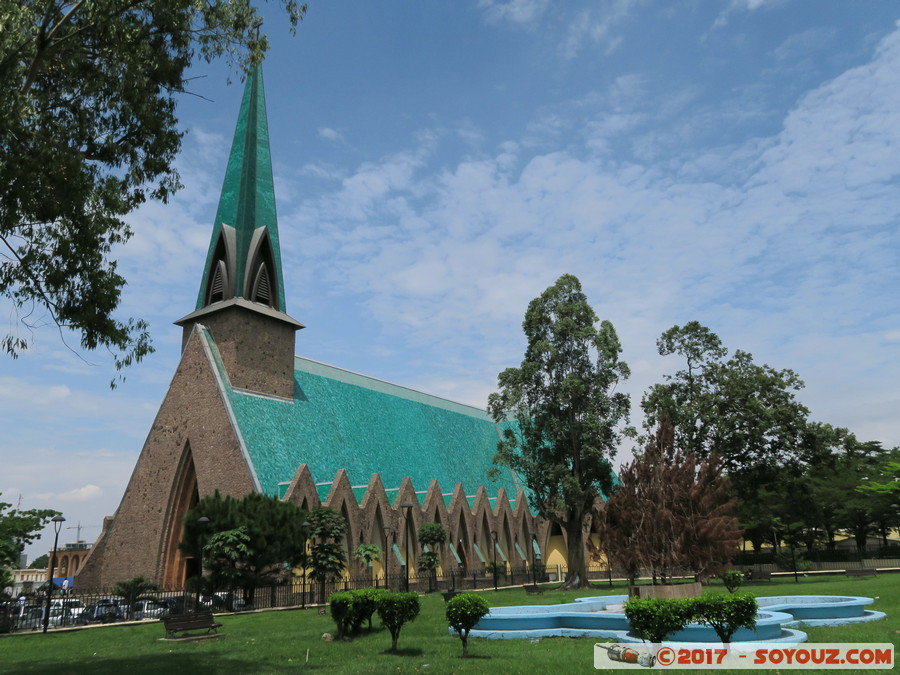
x=241 y=298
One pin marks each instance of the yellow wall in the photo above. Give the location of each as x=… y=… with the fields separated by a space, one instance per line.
x=556 y=553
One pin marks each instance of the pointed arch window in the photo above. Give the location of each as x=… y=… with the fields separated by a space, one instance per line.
x=262 y=279
x=220 y=280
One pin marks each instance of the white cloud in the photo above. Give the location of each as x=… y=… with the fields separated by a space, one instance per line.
x=331 y=135
x=517 y=12
x=82 y=494
x=800 y=234
x=596 y=25
x=743 y=6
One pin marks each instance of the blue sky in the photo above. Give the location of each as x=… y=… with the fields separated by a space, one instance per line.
x=438 y=164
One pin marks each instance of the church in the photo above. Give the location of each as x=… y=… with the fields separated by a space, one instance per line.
x=244 y=414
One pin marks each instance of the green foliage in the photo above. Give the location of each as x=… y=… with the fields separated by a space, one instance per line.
x=829 y=495
x=568 y=416
x=733 y=580
x=341 y=607
x=395 y=610
x=654 y=619
x=134 y=589
x=464 y=611
x=428 y=561
x=745 y=412
x=326 y=559
x=350 y=609
x=725 y=613
x=251 y=541
x=18 y=529
x=432 y=534
x=796 y=563
x=888 y=480
x=273 y=638
x=367 y=553
x=42 y=562
x=365 y=603
x=89 y=133
x=224 y=551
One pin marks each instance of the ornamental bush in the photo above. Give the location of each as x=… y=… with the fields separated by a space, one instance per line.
x=395 y=610
x=733 y=579
x=654 y=619
x=341 y=605
x=350 y=609
x=726 y=613
x=365 y=600
x=464 y=611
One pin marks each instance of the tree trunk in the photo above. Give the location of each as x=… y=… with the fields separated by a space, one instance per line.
x=465 y=642
x=577 y=563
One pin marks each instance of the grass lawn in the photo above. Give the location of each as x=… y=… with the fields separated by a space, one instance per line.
x=277 y=642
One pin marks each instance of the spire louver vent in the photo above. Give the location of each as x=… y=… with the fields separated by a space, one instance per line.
x=217 y=289
x=262 y=291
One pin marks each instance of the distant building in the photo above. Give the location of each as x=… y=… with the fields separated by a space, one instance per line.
x=69 y=559
x=27 y=580
x=244 y=414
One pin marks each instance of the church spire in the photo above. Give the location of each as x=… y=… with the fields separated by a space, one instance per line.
x=244 y=259
x=241 y=300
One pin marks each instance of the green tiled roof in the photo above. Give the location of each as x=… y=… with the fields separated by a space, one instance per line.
x=342 y=420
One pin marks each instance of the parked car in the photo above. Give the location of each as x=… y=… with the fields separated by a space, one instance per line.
x=65 y=611
x=223 y=602
x=100 y=613
x=149 y=609
x=179 y=604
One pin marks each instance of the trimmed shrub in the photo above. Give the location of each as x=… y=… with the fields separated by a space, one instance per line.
x=654 y=619
x=350 y=609
x=365 y=600
x=726 y=613
x=463 y=612
x=395 y=610
x=733 y=579
x=341 y=606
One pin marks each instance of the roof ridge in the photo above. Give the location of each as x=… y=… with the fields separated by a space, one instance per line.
x=391 y=384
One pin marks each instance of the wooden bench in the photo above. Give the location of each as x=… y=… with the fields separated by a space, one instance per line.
x=861 y=572
x=532 y=589
x=182 y=623
x=758 y=575
x=449 y=595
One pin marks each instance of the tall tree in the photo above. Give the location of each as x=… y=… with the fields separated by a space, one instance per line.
x=266 y=538
x=88 y=133
x=327 y=558
x=561 y=415
x=745 y=412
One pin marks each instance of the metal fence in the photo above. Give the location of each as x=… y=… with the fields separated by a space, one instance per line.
x=76 y=607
